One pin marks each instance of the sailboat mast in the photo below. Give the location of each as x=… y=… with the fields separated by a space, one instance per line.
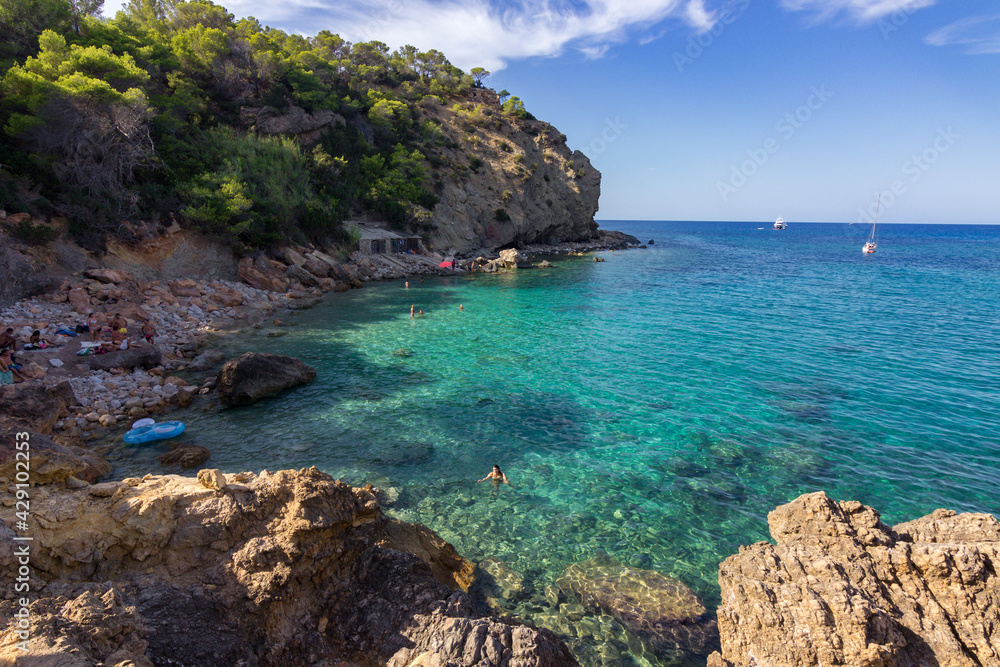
x=875 y=224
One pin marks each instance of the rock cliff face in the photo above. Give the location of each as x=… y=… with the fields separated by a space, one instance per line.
x=841 y=588
x=290 y=568
x=507 y=181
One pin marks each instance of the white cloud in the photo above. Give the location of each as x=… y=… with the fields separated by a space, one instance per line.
x=485 y=33
x=860 y=11
x=980 y=34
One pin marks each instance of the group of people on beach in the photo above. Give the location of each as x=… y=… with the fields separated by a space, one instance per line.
x=10 y=370
x=113 y=334
x=105 y=336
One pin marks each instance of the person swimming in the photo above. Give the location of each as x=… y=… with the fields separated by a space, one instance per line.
x=496 y=475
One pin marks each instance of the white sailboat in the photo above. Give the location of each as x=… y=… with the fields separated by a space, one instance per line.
x=872 y=242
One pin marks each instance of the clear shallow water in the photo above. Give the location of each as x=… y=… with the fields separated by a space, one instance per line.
x=653 y=407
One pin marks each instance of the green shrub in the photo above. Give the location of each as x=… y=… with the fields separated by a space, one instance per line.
x=501 y=215
x=475 y=163
x=31 y=233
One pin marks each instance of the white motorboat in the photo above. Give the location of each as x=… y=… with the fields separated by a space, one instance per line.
x=780 y=224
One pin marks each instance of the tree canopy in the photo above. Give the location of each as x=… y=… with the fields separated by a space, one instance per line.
x=151 y=114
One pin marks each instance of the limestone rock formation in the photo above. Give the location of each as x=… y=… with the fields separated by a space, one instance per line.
x=650 y=604
x=50 y=462
x=34 y=406
x=290 y=568
x=262 y=275
x=507 y=180
x=510 y=258
x=252 y=376
x=138 y=356
x=842 y=588
x=307 y=127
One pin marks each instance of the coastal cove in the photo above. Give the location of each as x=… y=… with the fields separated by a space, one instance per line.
x=654 y=407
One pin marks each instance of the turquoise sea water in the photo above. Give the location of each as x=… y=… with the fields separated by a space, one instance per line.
x=653 y=407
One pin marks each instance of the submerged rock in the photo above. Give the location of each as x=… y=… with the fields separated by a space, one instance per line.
x=185 y=455
x=652 y=605
x=252 y=376
x=501 y=580
x=842 y=588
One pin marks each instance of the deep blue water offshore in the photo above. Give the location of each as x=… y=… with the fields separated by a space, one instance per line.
x=653 y=407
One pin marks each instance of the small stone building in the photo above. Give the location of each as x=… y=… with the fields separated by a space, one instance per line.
x=378 y=241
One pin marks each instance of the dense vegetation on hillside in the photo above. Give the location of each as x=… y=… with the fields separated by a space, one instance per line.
x=144 y=117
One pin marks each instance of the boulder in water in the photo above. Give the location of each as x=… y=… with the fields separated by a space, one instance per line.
x=652 y=605
x=511 y=258
x=252 y=376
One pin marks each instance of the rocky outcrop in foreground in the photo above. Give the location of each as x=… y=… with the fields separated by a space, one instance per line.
x=290 y=568
x=842 y=588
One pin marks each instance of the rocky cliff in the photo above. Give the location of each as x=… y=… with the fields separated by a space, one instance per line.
x=290 y=568
x=507 y=181
x=842 y=588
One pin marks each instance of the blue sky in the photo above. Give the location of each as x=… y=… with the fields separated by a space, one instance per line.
x=732 y=109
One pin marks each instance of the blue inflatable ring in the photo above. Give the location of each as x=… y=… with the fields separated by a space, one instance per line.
x=160 y=431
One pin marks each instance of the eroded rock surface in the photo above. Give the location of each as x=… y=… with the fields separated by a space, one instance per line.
x=49 y=462
x=32 y=405
x=138 y=356
x=842 y=588
x=252 y=376
x=652 y=605
x=290 y=568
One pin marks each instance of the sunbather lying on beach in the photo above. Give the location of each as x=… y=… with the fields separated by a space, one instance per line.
x=119 y=340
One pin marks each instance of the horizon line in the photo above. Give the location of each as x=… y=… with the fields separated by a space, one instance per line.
x=799 y=222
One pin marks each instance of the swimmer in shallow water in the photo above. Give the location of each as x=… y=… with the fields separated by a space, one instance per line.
x=496 y=475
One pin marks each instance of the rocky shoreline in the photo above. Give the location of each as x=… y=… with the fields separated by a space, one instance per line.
x=294 y=567
x=190 y=314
